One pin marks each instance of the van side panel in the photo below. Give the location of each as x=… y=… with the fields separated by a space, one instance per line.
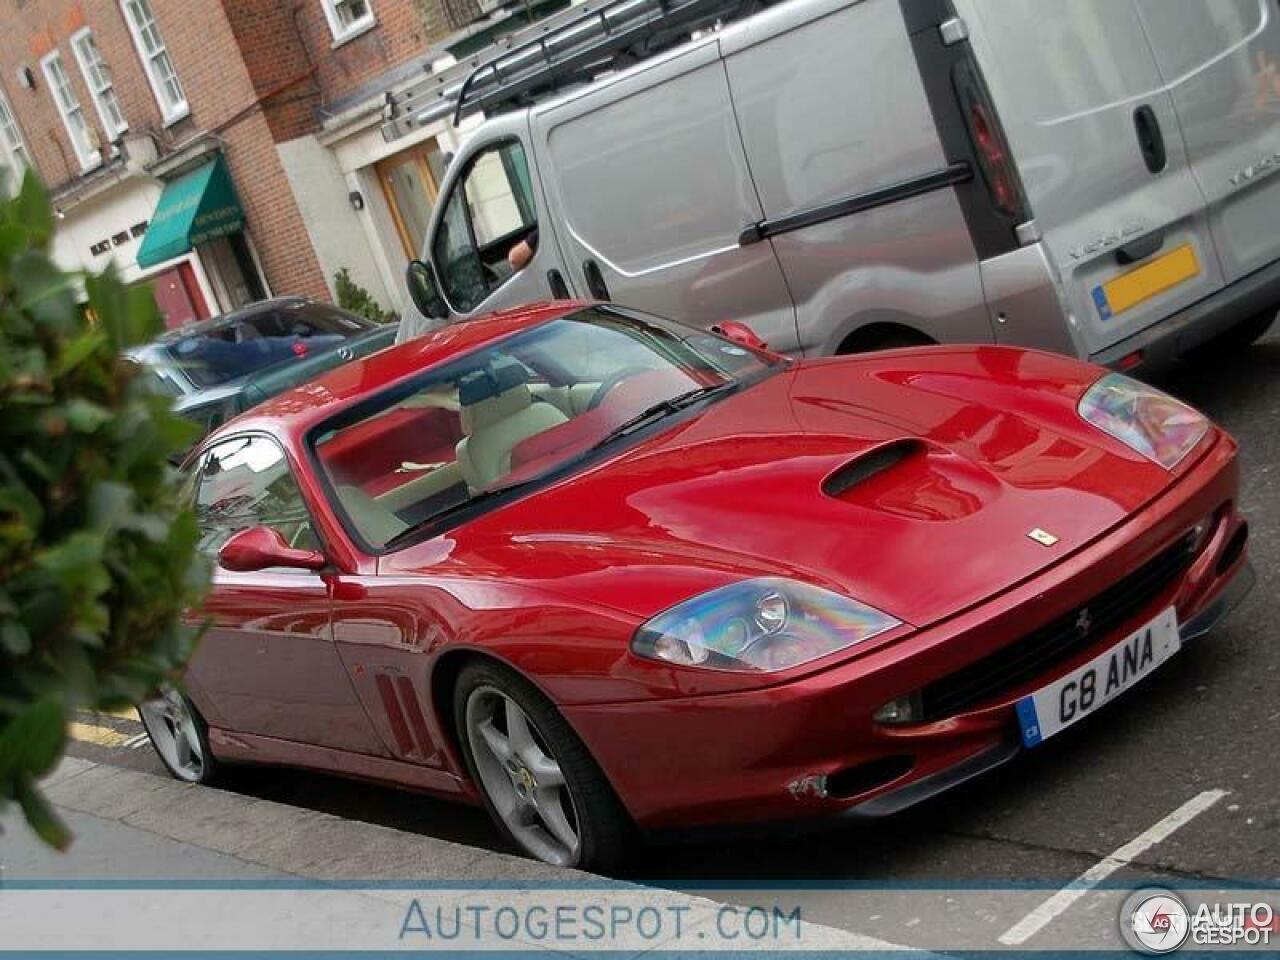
x=1067 y=79
x=831 y=106
x=650 y=182
x=1221 y=61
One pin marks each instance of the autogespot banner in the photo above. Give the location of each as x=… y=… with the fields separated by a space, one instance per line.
x=183 y=916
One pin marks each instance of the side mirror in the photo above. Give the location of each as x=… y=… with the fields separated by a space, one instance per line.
x=424 y=292
x=259 y=548
x=740 y=333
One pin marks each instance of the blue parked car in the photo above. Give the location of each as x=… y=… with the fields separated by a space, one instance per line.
x=221 y=367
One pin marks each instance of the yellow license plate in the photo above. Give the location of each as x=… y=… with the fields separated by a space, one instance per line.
x=1132 y=288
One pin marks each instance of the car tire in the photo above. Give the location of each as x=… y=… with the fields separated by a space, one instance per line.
x=543 y=789
x=179 y=736
x=1239 y=337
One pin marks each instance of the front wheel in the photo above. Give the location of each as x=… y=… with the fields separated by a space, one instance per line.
x=178 y=733
x=538 y=782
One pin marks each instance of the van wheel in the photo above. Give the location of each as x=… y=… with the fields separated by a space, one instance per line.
x=867 y=341
x=1237 y=338
x=538 y=781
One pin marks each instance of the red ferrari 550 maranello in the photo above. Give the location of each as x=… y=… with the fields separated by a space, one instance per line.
x=598 y=571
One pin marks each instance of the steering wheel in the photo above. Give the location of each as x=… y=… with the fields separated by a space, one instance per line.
x=611 y=382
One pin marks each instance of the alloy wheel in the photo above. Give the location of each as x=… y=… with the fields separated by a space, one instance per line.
x=521 y=778
x=172 y=728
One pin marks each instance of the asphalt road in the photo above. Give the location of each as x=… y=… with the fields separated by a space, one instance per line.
x=1208 y=720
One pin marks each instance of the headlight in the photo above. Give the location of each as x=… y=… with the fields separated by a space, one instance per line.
x=1153 y=423
x=759 y=625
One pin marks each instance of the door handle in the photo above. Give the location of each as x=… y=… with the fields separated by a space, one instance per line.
x=559 y=289
x=595 y=280
x=1150 y=138
x=1141 y=248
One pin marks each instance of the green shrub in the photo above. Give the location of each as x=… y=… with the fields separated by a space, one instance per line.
x=353 y=297
x=97 y=553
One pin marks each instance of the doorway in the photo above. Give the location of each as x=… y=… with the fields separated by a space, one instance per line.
x=410 y=181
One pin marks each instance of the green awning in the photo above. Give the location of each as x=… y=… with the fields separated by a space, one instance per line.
x=196 y=208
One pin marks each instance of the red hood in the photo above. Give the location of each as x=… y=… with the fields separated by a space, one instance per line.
x=984 y=445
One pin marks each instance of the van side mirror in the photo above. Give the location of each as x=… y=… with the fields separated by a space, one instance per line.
x=260 y=548
x=424 y=292
x=740 y=333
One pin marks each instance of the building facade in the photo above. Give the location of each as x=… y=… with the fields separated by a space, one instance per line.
x=229 y=151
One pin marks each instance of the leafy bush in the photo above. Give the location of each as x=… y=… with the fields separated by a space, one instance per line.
x=353 y=297
x=97 y=554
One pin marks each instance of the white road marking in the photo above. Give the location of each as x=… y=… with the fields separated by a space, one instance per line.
x=138 y=742
x=1045 y=913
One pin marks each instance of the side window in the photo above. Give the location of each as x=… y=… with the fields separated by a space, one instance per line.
x=247 y=482
x=490 y=210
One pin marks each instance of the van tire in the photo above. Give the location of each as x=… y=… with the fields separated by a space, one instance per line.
x=1239 y=337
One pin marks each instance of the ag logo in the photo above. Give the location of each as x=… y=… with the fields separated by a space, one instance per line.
x=1154 y=921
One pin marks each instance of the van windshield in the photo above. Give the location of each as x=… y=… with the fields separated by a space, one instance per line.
x=516 y=411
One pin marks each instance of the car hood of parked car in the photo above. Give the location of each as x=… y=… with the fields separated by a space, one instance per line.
x=909 y=480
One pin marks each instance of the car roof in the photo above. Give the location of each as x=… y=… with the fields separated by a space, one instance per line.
x=247 y=312
x=291 y=414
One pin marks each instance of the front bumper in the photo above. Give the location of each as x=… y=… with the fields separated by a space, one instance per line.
x=810 y=747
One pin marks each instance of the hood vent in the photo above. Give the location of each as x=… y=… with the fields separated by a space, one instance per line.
x=875 y=461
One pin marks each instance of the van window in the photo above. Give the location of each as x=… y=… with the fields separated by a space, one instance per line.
x=489 y=211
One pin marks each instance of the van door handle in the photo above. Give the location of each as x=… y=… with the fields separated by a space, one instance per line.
x=1150 y=138
x=595 y=280
x=559 y=289
x=1141 y=248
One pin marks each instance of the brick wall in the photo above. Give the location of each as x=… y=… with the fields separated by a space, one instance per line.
x=224 y=99
x=404 y=30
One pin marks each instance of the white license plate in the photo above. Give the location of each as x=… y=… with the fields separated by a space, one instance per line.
x=1081 y=692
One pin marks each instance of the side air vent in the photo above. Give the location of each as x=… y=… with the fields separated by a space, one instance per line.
x=875 y=461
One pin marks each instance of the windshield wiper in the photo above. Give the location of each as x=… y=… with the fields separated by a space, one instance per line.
x=663 y=409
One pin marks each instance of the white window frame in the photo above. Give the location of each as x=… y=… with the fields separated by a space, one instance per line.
x=171 y=113
x=102 y=94
x=87 y=156
x=342 y=33
x=14 y=154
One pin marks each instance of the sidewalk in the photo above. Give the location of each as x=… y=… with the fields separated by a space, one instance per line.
x=157 y=864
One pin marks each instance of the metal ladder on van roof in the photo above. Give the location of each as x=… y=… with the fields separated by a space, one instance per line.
x=570 y=47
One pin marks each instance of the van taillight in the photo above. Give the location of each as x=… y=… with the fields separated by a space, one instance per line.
x=990 y=148
x=995 y=160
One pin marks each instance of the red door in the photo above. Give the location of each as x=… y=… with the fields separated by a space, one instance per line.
x=178 y=296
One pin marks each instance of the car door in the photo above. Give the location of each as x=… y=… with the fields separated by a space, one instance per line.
x=648 y=182
x=1098 y=145
x=1220 y=61
x=491 y=208
x=266 y=664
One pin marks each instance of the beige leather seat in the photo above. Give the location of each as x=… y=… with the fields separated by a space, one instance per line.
x=375 y=522
x=498 y=412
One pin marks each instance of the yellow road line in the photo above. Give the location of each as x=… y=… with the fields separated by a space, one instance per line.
x=124 y=713
x=102 y=736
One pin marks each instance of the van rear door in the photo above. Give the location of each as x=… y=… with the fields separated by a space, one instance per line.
x=648 y=178
x=1098 y=144
x=1220 y=60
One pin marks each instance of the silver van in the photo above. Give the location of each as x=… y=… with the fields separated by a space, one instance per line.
x=1095 y=177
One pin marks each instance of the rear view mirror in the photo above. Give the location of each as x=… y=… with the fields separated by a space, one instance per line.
x=424 y=292
x=261 y=548
x=740 y=333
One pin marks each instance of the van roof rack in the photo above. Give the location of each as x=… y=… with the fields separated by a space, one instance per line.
x=570 y=47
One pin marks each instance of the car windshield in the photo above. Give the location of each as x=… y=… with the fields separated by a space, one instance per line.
x=516 y=411
x=260 y=340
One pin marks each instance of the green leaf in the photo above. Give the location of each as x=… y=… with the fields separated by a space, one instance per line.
x=33 y=740
x=34 y=212
x=84 y=416
x=40 y=814
x=14 y=638
x=77 y=351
